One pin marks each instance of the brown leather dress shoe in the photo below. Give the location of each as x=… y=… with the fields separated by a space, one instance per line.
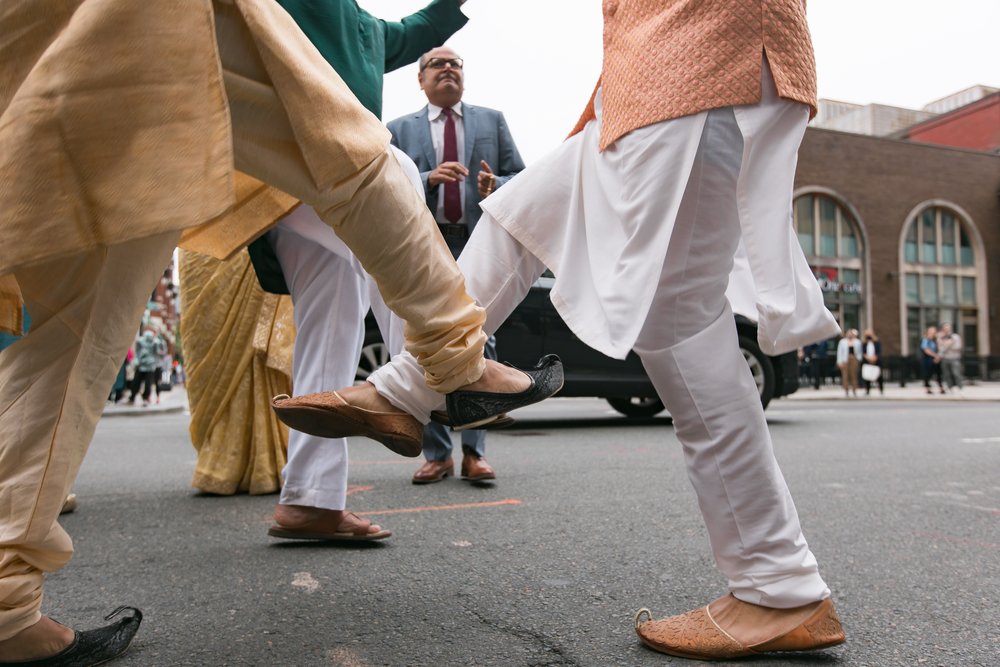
x=476 y=469
x=730 y=628
x=328 y=415
x=434 y=471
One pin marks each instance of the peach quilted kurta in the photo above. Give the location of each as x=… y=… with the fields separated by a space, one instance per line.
x=673 y=58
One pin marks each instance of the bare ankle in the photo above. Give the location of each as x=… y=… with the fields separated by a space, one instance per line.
x=41 y=640
x=501 y=379
x=297 y=516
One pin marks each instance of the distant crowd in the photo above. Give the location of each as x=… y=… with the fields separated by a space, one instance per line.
x=859 y=361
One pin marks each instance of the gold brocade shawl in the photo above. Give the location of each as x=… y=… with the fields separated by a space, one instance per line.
x=238 y=343
x=115 y=125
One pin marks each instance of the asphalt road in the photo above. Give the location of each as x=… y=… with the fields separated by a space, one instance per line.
x=592 y=517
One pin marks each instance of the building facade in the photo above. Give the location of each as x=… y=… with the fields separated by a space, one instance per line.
x=902 y=236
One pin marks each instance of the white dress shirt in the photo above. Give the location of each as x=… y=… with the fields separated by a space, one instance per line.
x=437 y=120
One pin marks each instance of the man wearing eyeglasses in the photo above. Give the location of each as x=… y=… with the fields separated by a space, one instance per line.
x=464 y=153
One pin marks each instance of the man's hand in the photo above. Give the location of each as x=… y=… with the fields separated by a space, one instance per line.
x=447 y=172
x=487 y=181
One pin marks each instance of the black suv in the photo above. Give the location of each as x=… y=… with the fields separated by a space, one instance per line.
x=535 y=328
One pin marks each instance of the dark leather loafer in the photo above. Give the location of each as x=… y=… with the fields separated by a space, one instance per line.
x=434 y=471
x=474 y=409
x=329 y=415
x=92 y=647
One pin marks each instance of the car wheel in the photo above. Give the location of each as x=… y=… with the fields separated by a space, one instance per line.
x=374 y=355
x=760 y=368
x=637 y=407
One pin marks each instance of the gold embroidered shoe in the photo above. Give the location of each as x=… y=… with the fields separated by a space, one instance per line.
x=730 y=628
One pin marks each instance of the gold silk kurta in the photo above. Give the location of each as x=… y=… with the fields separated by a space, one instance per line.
x=238 y=343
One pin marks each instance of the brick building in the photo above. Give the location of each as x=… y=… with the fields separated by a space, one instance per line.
x=903 y=235
x=975 y=125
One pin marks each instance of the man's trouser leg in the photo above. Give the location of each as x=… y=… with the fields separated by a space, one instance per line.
x=376 y=213
x=330 y=302
x=85 y=310
x=499 y=272
x=690 y=350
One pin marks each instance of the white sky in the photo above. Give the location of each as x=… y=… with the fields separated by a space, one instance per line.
x=538 y=60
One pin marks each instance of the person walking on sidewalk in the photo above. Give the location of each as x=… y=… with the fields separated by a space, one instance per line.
x=930 y=359
x=872 y=349
x=950 y=350
x=849 y=361
x=149 y=348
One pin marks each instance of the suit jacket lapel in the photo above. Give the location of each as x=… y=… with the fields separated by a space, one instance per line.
x=424 y=134
x=469 y=125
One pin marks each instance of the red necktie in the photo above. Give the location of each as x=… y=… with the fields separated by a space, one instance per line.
x=452 y=195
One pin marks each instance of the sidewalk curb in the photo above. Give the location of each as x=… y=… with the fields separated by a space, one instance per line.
x=986 y=392
x=936 y=399
x=173 y=402
x=142 y=412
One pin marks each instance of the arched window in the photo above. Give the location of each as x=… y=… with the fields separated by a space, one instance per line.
x=831 y=240
x=941 y=276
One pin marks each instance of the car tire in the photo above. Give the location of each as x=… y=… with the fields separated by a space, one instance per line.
x=760 y=368
x=374 y=355
x=637 y=407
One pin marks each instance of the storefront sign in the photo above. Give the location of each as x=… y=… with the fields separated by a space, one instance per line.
x=828 y=279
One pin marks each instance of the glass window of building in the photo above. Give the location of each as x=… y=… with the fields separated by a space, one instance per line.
x=831 y=241
x=940 y=281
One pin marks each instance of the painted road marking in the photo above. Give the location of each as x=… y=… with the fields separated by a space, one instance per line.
x=979 y=440
x=438 y=508
x=390 y=462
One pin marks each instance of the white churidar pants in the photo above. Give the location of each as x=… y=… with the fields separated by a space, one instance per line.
x=331 y=294
x=687 y=341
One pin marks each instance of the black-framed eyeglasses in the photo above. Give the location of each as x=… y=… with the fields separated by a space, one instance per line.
x=439 y=63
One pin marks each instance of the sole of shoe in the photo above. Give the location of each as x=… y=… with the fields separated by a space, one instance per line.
x=498 y=422
x=479 y=478
x=290 y=534
x=316 y=421
x=431 y=480
x=748 y=653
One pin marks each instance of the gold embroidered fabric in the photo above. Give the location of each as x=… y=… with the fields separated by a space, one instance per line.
x=238 y=344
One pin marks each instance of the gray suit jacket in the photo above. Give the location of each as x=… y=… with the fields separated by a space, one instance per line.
x=486 y=138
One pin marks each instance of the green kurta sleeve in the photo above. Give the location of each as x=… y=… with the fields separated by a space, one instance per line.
x=418 y=33
x=362 y=48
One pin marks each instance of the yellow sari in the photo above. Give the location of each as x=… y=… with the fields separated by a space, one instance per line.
x=238 y=343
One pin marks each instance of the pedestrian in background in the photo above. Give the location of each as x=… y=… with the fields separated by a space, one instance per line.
x=930 y=360
x=849 y=361
x=121 y=382
x=815 y=357
x=872 y=348
x=950 y=351
x=148 y=349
